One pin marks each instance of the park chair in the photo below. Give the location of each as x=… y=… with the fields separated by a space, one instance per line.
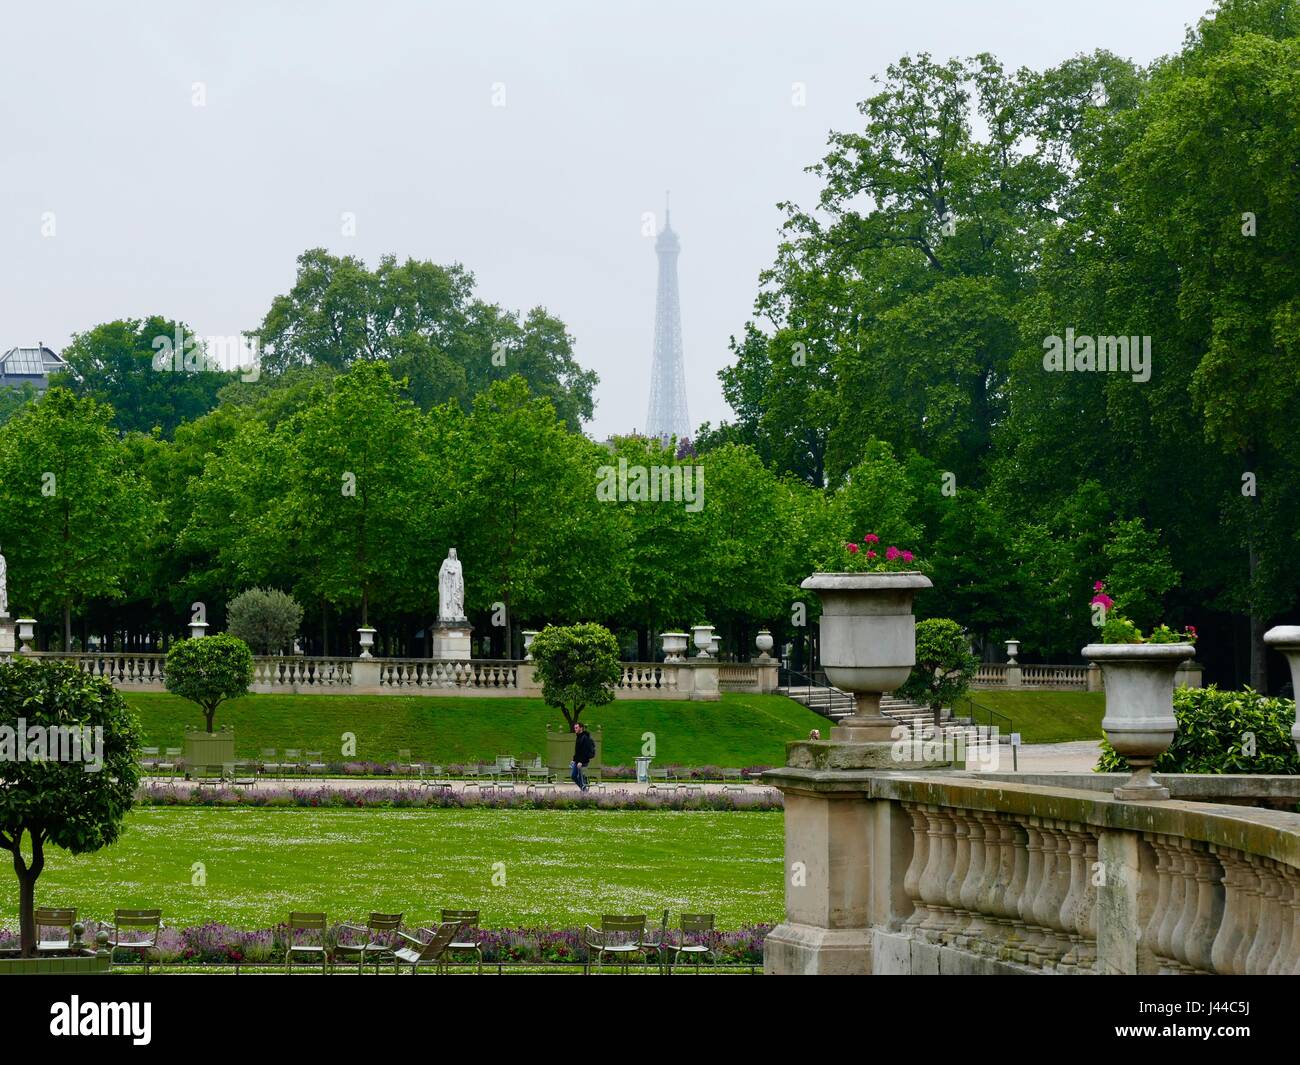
x=539 y=775
x=292 y=760
x=171 y=761
x=733 y=780
x=50 y=917
x=468 y=921
x=433 y=776
x=214 y=775
x=620 y=935
x=699 y=926
x=316 y=763
x=655 y=938
x=142 y=926
x=302 y=921
x=270 y=763
x=505 y=767
x=416 y=952
x=406 y=765
x=661 y=778
x=239 y=774
x=381 y=936
x=149 y=758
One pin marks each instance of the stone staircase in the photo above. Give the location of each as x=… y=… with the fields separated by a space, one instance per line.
x=836 y=704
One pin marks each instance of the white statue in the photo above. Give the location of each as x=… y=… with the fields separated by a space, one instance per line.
x=4 y=588
x=451 y=588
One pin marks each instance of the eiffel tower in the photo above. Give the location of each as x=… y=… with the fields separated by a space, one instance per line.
x=667 y=416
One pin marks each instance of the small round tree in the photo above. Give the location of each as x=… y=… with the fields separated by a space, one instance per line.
x=76 y=794
x=209 y=671
x=266 y=619
x=944 y=665
x=578 y=666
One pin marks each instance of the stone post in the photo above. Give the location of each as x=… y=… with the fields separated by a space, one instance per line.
x=529 y=686
x=704 y=678
x=1015 y=678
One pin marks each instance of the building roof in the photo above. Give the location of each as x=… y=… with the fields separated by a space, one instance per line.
x=37 y=362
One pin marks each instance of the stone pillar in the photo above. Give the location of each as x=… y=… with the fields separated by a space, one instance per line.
x=529 y=686
x=1015 y=678
x=451 y=639
x=1094 y=677
x=1126 y=876
x=365 y=675
x=6 y=636
x=704 y=678
x=768 y=670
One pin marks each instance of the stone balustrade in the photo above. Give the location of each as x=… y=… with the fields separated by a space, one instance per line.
x=699 y=679
x=1049 y=677
x=943 y=872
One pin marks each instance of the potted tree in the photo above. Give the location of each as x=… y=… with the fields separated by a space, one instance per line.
x=578 y=666
x=209 y=671
x=868 y=631
x=1138 y=675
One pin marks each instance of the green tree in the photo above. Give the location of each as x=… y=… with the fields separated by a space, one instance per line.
x=266 y=619
x=578 y=666
x=944 y=665
x=78 y=805
x=209 y=670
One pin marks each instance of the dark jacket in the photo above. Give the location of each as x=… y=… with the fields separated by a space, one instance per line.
x=584 y=748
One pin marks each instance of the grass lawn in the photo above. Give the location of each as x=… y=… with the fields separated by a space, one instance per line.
x=1045 y=717
x=561 y=868
x=738 y=731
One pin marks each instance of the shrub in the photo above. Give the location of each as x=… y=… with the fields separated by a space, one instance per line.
x=944 y=665
x=1223 y=732
x=209 y=670
x=266 y=619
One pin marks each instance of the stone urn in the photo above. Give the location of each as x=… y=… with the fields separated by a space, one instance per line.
x=528 y=643
x=1286 y=639
x=366 y=637
x=715 y=645
x=868 y=642
x=675 y=644
x=26 y=634
x=1013 y=649
x=703 y=635
x=1139 y=721
x=764 y=644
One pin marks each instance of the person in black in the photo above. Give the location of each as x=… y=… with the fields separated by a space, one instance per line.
x=584 y=750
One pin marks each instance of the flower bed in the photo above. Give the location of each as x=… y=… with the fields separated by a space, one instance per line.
x=156 y=794
x=216 y=943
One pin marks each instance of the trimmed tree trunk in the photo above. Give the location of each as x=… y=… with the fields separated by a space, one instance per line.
x=27 y=874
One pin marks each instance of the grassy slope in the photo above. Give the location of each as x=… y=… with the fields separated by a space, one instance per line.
x=561 y=867
x=740 y=730
x=1046 y=717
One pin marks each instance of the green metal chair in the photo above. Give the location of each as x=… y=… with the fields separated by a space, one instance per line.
x=381 y=936
x=315 y=763
x=406 y=766
x=655 y=939
x=304 y=921
x=620 y=935
x=292 y=760
x=52 y=917
x=698 y=925
x=416 y=952
x=240 y=774
x=271 y=765
x=468 y=921
x=171 y=761
x=146 y=924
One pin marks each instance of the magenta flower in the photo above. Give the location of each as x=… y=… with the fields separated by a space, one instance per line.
x=871 y=554
x=871 y=538
x=1191 y=631
x=892 y=553
x=1098 y=586
x=908 y=556
x=1104 y=600
x=853 y=548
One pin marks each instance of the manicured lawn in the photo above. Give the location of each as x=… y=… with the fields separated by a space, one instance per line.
x=1045 y=717
x=561 y=868
x=738 y=731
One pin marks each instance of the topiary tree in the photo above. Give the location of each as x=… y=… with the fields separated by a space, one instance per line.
x=944 y=665
x=1223 y=732
x=76 y=794
x=578 y=666
x=266 y=619
x=209 y=671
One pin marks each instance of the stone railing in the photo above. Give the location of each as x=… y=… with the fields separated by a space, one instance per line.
x=940 y=872
x=297 y=673
x=1057 y=678
x=425 y=673
x=738 y=677
x=657 y=677
x=136 y=672
x=1048 y=677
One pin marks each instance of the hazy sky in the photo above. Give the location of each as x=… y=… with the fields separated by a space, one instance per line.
x=390 y=111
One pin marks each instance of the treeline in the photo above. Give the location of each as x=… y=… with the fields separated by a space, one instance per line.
x=982 y=243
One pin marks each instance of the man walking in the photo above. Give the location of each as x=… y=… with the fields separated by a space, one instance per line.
x=584 y=750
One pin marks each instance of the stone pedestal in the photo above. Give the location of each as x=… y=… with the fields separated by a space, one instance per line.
x=7 y=644
x=451 y=639
x=768 y=673
x=704 y=679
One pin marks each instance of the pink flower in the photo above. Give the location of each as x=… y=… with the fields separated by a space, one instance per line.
x=853 y=548
x=1098 y=586
x=1191 y=631
x=871 y=554
x=908 y=556
x=1104 y=600
x=871 y=538
x=892 y=553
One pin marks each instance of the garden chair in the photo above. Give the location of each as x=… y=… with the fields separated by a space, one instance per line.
x=699 y=926
x=406 y=766
x=619 y=935
x=381 y=936
x=733 y=780
x=505 y=767
x=239 y=774
x=468 y=921
x=142 y=926
x=149 y=758
x=655 y=939
x=171 y=761
x=433 y=776
x=211 y=775
x=270 y=763
x=292 y=760
x=416 y=952
x=49 y=917
x=539 y=775
x=302 y=921
x=316 y=763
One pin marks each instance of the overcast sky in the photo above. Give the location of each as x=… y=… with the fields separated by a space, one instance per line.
x=391 y=111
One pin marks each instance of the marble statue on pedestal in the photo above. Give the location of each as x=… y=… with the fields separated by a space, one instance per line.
x=4 y=588
x=451 y=636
